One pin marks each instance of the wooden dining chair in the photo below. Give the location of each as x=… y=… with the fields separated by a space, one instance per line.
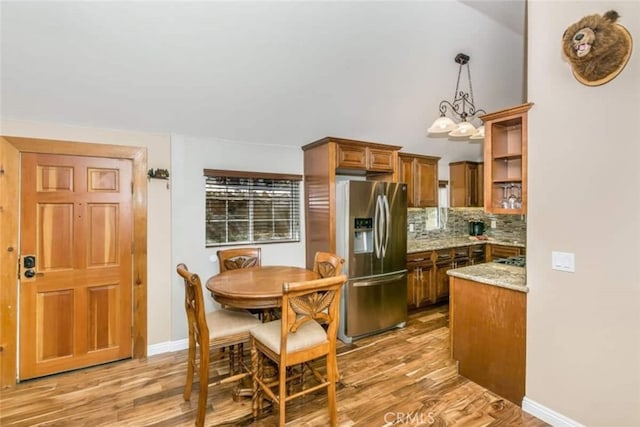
x=327 y=264
x=296 y=338
x=231 y=259
x=207 y=331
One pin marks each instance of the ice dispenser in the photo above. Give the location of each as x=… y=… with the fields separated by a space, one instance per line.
x=362 y=235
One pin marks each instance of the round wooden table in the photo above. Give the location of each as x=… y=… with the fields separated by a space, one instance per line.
x=258 y=288
x=255 y=287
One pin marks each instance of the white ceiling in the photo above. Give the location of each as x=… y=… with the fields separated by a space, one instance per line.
x=268 y=72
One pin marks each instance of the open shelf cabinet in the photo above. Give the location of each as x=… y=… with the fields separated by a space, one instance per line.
x=505 y=160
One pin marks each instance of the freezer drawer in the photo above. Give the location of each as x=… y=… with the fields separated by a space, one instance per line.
x=374 y=304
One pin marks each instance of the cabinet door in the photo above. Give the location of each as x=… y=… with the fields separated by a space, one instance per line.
x=413 y=277
x=352 y=157
x=500 y=251
x=442 y=280
x=426 y=181
x=466 y=184
x=406 y=175
x=458 y=185
x=420 y=288
x=380 y=160
x=477 y=254
x=480 y=187
x=472 y=185
x=444 y=262
x=426 y=290
x=461 y=257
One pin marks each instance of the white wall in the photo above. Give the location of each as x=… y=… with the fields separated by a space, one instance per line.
x=503 y=62
x=190 y=156
x=583 y=328
x=159 y=270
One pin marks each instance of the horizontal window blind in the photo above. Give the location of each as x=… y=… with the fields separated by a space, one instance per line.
x=251 y=210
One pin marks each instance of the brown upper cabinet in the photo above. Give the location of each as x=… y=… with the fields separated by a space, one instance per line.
x=505 y=160
x=364 y=157
x=421 y=175
x=323 y=161
x=466 y=184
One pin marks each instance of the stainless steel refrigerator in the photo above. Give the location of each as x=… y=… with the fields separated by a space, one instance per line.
x=371 y=227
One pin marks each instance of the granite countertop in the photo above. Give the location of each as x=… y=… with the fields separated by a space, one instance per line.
x=491 y=273
x=452 y=242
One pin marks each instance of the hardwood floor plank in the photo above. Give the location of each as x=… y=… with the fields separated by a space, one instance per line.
x=400 y=377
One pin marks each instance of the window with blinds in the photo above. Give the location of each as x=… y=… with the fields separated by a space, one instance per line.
x=251 y=208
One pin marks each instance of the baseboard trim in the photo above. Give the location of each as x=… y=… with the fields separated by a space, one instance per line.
x=547 y=415
x=168 y=346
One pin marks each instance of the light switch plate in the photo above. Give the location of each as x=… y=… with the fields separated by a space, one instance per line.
x=563 y=261
x=411 y=228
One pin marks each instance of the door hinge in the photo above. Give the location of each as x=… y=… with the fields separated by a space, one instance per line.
x=131 y=187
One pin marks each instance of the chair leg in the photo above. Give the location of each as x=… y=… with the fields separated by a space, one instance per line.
x=191 y=362
x=282 y=394
x=204 y=386
x=232 y=357
x=332 y=363
x=256 y=370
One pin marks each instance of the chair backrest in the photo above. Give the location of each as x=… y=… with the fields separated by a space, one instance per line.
x=327 y=264
x=231 y=259
x=194 y=306
x=313 y=300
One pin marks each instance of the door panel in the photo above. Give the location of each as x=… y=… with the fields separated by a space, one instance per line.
x=375 y=304
x=76 y=220
x=396 y=254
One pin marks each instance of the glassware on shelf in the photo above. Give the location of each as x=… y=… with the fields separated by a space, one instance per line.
x=518 y=202
x=511 y=196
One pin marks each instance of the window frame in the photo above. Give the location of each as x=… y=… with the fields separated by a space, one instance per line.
x=295 y=227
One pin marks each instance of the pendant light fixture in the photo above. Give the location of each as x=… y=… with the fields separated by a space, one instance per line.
x=462 y=110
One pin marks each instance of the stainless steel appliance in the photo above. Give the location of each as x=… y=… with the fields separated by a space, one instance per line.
x=371 y=226
x=517 y=260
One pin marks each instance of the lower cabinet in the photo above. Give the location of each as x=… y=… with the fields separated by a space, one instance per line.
x=477 y=254
x=503 y=251
x=427 y=279
x=419 y=280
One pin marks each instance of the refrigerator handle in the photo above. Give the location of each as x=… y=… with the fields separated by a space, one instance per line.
x=387 y=216
x=376 y=228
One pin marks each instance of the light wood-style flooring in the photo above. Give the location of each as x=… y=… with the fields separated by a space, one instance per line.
x=401 y=377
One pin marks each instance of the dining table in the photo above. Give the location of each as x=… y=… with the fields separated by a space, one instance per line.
x=255 y=287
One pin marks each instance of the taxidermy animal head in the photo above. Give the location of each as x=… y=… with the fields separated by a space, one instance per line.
x=597 y=47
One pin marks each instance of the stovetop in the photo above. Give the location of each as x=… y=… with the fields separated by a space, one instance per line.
x=518 y=261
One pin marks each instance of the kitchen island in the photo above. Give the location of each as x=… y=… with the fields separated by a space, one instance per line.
x=488 y=310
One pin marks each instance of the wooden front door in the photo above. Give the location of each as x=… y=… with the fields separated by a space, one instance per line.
x=75 y=262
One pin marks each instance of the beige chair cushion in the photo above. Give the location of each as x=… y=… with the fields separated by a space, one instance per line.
x=225 y=322
x=308 y=335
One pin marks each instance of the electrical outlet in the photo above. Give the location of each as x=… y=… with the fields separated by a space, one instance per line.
x=411 y=228
x=493 y=223
x=563 y=261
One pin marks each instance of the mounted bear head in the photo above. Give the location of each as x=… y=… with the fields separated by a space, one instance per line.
x=597 y=47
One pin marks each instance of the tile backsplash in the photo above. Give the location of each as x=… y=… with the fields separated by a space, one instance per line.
x=431 y=223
